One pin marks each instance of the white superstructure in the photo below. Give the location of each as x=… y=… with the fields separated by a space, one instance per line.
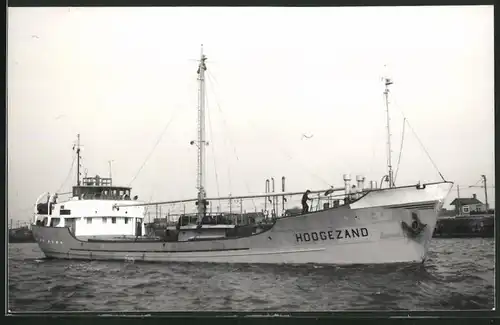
x=95 y=209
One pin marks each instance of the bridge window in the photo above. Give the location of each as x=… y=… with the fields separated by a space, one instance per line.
x=113 y=219
x=126 y=220
x=104 y=220
x=101 y=192
x=89 y=221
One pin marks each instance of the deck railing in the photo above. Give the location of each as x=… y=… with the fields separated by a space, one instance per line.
x=239 y=209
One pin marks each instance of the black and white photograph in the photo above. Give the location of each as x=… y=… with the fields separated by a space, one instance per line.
x=250 y=159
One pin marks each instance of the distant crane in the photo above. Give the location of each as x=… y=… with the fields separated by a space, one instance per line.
x=485 y=186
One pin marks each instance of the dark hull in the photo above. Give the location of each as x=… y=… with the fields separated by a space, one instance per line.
x=372 y=230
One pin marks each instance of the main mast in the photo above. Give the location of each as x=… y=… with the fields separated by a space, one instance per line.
x=201 y=203
x=388 y=82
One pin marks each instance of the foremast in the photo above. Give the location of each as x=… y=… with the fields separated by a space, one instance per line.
x=390 y=177
x=201 y=143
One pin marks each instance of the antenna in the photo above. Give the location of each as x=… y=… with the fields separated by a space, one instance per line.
x=77 y=147
x=390 y=179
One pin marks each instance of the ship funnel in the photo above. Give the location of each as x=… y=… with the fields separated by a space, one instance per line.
x=359 y=180
x=373 y=185
x=347 y=181
x=265 y=199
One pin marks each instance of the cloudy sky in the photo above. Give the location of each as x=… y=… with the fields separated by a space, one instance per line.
x=121 y=76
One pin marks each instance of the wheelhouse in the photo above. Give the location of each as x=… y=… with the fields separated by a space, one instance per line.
x=97 y=188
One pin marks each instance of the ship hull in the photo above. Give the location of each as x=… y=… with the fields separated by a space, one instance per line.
x=372 y=230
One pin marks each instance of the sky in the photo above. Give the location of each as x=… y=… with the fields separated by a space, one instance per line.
x=125 y=80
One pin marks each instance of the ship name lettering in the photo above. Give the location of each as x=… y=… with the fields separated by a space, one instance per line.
x=349 y=233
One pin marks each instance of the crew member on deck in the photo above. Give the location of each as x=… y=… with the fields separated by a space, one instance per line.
x=305 y=198
x=52 y=201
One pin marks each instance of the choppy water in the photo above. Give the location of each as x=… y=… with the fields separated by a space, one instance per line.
x=457 y=276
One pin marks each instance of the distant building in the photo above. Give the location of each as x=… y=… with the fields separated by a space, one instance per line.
x=467 y=206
